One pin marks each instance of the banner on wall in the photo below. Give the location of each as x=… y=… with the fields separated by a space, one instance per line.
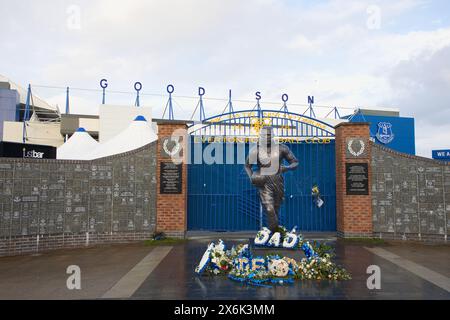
x=441 y=155
x=24 y=150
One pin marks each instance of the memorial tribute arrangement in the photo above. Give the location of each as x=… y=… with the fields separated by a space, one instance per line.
x=239 y=264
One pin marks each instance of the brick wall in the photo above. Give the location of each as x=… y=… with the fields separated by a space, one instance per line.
x=17 y=245
x=171 y=208
x=354 y=212
x=73 y=203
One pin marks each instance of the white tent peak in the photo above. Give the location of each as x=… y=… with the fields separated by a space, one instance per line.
x=140 y=118
x=78 y=146
x=138 y=134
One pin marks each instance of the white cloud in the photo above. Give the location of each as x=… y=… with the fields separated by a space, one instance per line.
x=387 y=50
x=301 y=43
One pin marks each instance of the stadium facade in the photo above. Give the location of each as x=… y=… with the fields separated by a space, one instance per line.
x=123 y=175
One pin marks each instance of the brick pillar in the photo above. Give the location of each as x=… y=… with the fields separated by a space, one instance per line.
x=354 y=206
x=171 y=208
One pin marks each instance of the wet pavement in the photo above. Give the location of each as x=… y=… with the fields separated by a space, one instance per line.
x=174 y=278
x=44 y=276
x=435 y=257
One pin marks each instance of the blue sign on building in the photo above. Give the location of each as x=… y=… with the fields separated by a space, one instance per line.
x=396 y=133
x=441 y=155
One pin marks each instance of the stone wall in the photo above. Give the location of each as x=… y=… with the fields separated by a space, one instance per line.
x=47 y=204
x=410 y=196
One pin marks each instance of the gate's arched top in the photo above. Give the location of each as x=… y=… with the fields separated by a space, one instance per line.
x=246 y=123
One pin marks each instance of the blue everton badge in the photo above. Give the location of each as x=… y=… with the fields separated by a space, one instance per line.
x=384 y=133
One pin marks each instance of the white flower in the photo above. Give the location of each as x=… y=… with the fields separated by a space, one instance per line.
x=278 y=267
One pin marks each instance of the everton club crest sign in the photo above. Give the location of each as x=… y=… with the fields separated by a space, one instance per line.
x=384 y=133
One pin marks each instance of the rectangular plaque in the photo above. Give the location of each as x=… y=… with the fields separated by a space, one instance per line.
x=171 y=175
x=357 y=178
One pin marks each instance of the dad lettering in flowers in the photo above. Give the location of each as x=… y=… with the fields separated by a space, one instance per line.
x=265 y=238
x=268 y=178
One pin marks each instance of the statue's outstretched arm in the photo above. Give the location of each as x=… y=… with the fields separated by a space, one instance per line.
x=291 y=159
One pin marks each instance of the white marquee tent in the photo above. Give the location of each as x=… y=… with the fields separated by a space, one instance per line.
x=136 y=135
x=77 y=147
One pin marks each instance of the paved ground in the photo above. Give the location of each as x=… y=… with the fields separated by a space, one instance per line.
x=44 y=276
x=408 y=271
x=440 y=261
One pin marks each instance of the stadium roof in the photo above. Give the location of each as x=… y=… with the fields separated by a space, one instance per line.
x=36 y=102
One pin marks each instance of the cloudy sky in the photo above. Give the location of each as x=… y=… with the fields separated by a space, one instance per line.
x=346 y=53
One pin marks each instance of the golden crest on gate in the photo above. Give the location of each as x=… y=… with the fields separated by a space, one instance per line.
x=258 y=123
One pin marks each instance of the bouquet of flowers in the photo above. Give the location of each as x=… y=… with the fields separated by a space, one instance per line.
x=220 y=261
x=215 y=259
x=308 y=250
x=315 y=192
x=320 y=269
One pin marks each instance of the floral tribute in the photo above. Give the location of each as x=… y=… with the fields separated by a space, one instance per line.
x=238 y=264
x=279 y=239
x=315 y=192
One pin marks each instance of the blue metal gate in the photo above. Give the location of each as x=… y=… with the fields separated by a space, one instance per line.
x=221 y=198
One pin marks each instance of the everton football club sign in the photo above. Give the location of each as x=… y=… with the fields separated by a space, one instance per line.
x=384 y=133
